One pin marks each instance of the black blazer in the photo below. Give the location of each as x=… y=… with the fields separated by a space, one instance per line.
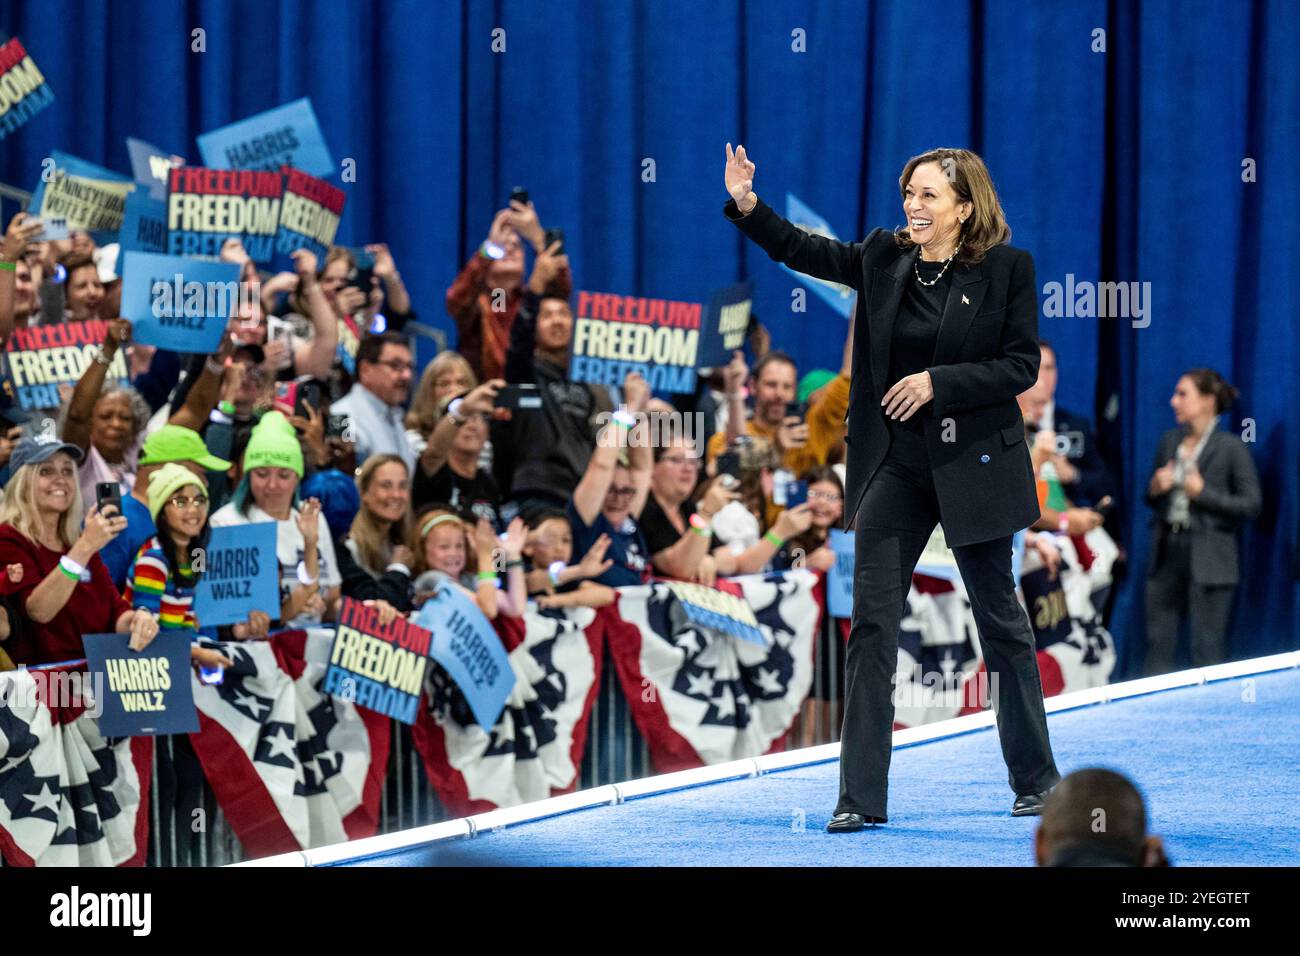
x=1231 y=495
x=986 y=355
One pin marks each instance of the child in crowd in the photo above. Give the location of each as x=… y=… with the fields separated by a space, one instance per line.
x=551 y=579
x=442 y=549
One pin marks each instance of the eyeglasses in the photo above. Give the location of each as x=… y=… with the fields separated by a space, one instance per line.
x=679 y=460
x=397 y=366
x=180 y=502
x=823 y=496
x=622 y=492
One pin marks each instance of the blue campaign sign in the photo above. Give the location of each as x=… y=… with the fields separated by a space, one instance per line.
x=141 y=693
x=176 y=303
x=150 y=165
x=241 y=573
x=838 y=297
x=467 y=647
x=726 y=319
x=285 y=136
x=839 y=579
x=144 y=223
x=83 y=194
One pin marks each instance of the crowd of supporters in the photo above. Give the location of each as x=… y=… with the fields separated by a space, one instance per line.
x=488 y=467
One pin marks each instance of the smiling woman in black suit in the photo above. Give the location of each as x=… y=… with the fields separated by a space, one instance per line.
x=945 y=338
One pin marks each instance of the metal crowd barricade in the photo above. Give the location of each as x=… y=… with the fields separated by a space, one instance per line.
x=614 y=752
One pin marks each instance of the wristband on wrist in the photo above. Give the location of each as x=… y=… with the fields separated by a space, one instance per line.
x=487 y=575
x=774 y=539
x=514 y=563
x=490 y=250
x=99 y=356
x=216 y=368
x=701 y=525
x=554 y=572
x=624 y=418
x=1063 y=524
x=71 y=569
x=8 y=266
x=226 y=408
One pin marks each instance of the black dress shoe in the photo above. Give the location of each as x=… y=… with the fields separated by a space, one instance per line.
x=848 y=822
x=1030 y=804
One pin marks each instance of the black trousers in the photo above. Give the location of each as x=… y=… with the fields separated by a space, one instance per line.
x=1170 y=594
x=898 y=513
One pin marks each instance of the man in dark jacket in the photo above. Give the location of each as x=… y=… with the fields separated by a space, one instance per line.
x=540 y=454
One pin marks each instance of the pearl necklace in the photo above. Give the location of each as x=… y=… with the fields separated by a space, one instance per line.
x=946 y=264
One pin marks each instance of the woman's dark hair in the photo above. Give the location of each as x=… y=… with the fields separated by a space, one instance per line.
x=1210 y=382
x=812 y=539
x=987 y=226
x=176 y=557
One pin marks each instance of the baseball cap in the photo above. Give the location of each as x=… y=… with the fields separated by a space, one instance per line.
x=34 y=449
x=178 y=443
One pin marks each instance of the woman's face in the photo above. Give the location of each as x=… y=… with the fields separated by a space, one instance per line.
x=84 y=292
x=387 y=496
x=55 y=479
x=931 y=207
x=187 y=511
x=24 y=290
x=550 y=541
x=273 y=488
x=451 y=381
x=618 y=500
x=1190 y=403
x=112 y=426
x=444 y=548
x=826 y=504
x=675 y=474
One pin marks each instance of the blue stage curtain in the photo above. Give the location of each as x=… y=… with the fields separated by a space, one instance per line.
x=1124 y=165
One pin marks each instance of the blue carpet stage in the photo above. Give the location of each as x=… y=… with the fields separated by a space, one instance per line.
x=1217 y=764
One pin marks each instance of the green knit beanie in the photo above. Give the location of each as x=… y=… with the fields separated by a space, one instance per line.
x=273 y=444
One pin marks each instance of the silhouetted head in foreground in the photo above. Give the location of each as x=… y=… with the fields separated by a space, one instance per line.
x=1096 y=817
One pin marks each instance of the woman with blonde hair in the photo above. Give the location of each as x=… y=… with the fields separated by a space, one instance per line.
x=375 y=558
x=57 y=585
x=447 y=376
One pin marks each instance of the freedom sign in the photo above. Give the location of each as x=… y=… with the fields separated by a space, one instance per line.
x=205 y=207
x=43 y=357
x=241 y=573
x=717 y=610
x=617 y=334
x=309 y=214
x=142 y=693
x=285 y=136
x=23 y=90
x=376 y=667
x=179 y=304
